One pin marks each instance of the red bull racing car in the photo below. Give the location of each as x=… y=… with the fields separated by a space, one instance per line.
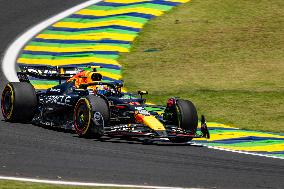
x=96 y=108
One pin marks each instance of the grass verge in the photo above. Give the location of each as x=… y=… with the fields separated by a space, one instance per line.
x=225 y=55
x=5 y=184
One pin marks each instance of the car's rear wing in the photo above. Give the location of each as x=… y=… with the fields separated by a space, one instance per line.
x=47 y=72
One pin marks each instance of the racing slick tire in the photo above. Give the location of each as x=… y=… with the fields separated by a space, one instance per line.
x=18 y=102
x=187 y=119
x=91 y=116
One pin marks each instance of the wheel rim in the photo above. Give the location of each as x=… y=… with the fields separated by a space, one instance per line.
x=82 y=117
x=7 y=102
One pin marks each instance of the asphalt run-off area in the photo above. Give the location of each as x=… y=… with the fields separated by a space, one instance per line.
x=96 y=33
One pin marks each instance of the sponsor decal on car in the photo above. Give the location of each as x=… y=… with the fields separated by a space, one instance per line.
x=60 y=100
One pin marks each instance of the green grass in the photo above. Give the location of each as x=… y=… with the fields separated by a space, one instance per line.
x=4 y=184
x=227 y=56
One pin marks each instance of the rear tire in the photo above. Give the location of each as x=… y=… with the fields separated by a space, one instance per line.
x=19 y=102
x=186 y=119
x=91 y=115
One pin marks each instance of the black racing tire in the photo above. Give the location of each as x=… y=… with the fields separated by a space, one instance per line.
x=187 y=119
x=85 y=112
x=18 y=102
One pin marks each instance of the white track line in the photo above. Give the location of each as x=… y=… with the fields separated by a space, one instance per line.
x=86 y=183
x=12 y=53
x=8 y=68
x=196 y=143
x=238 y=151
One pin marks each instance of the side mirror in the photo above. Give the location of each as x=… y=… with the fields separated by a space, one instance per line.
x=119 y=85
x=141 y=93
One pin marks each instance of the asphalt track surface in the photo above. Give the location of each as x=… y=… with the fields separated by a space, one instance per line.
x=35 y=152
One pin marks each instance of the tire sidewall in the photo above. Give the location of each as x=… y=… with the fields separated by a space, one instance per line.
x=85 y=102
x=23 y=102
x=7 y=115
x=96 y=106
x=187 y=117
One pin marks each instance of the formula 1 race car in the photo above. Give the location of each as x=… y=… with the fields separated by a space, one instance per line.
x=95 y=108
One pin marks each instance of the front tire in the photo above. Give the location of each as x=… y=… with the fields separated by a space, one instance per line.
x=186 y=118
x=91 y=115
x=18 y=102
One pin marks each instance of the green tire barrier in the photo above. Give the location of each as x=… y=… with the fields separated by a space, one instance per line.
x=97 y=34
